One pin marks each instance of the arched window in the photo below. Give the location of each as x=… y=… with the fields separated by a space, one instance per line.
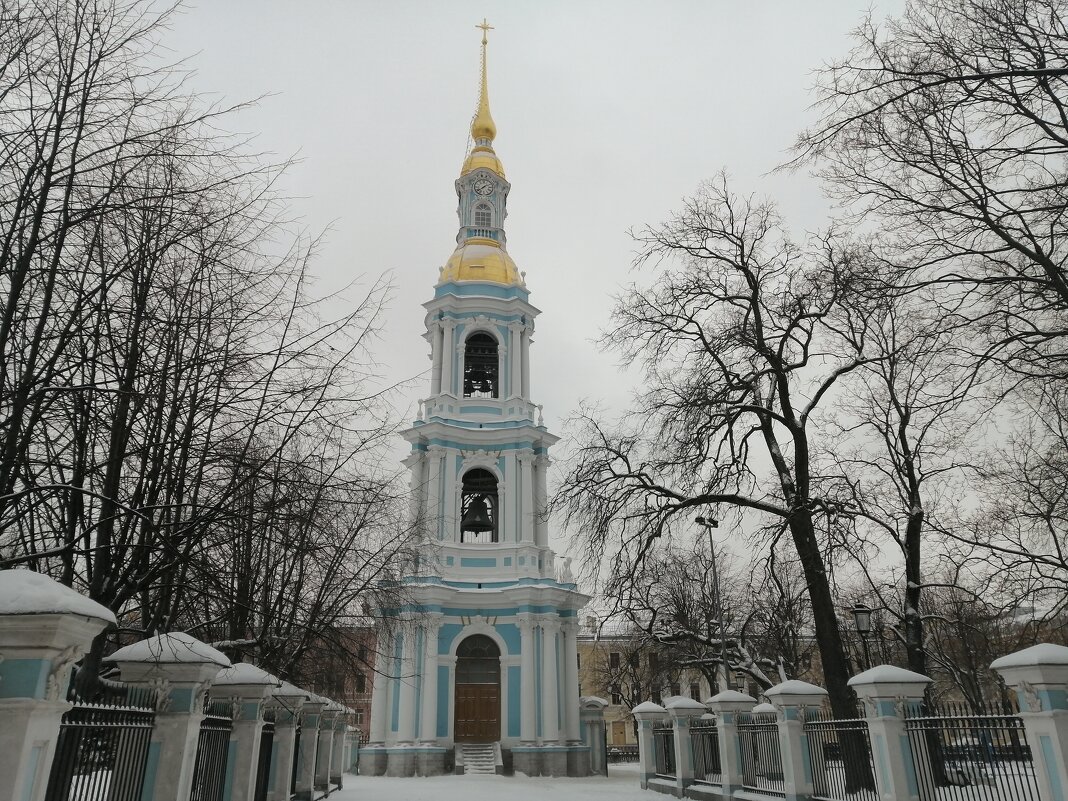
x=478 y=506
x=480 y=366
x=483 y=216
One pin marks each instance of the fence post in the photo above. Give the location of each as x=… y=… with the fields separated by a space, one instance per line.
x=647 y=713
x=181 y=668
x=337 y=755
x=887 y=693
x=45 y=628
x=309 y=741
x=726 y=706
x=248 y=686
x=286 y=703
x=792 y=701
x=682 y=711
x=1039 y=675
x=591 y=716
x=325 y=747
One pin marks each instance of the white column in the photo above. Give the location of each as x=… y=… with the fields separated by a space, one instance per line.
x=450 y=491
x=541 y=495
x=448 y=352
x=550 y=719
x=526 y=497
x=416 y=464
x=435 y=332
x=406 y=685
x=432 y=514
x=571 y=694
x=510 y=531
x=527 y=683
x=526 y=363
x=379 y=687
x=515 y=389
x=428 y=724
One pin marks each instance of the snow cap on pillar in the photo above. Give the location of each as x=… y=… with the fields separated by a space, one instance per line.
x=26 y=592
x=680 y=707
x=1033 y=673
x=176 y=657
x=795 y=693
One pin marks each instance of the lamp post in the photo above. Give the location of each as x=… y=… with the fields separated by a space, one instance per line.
x=709 y=524
x=862 y=620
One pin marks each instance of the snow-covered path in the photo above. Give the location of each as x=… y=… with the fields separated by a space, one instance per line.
x=621 y=785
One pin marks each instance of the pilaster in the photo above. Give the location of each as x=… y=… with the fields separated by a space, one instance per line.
x=526 y=493
x=550 y=732
x=428 y=724
x=726 y=706
x=527 y=721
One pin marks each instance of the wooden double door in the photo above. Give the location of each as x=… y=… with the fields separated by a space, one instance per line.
x=478 y=691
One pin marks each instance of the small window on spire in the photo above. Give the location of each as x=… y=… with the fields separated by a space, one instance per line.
x=483 y=216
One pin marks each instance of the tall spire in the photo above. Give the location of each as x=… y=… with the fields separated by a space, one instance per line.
x=483 y=130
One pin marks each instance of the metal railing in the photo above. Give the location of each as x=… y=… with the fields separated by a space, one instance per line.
x=664 y=751
x=706 y=762
x=213 y=750
x=840 y=758
x=296 y=759
x=758 y=744
x=103 y=745
x=963 y=754
x=621 y=753
x=264 y=763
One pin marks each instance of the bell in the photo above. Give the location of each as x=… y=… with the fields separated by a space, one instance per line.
x=477 y=517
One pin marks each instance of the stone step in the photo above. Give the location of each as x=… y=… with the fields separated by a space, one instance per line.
x=480 y=759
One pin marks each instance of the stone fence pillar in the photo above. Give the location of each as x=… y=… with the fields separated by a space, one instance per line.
x=1039 y=675
x=682 y=711
x=793 y=701
x=591 y=726
x=726 y=706
x=648 y=715
x=337 y=754
x=287 y=703
x=888 y=693
x=309 y=741
x=181 y=668
x=249 y=687
x=325 y=746
x=45 y=628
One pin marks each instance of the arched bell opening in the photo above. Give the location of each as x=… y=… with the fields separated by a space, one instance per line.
x=478 y=691
x=479 y=507
x=481 y=366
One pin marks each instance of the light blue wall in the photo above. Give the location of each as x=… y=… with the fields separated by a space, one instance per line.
x=444 y=688
x=514 y=683
x=394 y=683
x=23 y=678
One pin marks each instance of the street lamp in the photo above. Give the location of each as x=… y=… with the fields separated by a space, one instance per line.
x=711 y=523
x=862 y=620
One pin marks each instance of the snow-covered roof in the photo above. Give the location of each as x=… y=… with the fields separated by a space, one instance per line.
x=26 y=592
x=1042 y=654
x=888 y=674
x=245 y=673
x=171 y=648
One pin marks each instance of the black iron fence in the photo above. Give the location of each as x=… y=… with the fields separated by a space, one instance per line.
x=296 y=759
x=758 y=743
x=706 y=762
x=622 y=753
x=664 y=751
x=962 y=752
x=839 y=753
x=265 y=761
x=103 y=745
x=213 y=749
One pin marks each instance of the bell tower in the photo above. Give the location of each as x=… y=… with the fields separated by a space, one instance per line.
x=483 y=649
x=479 y=448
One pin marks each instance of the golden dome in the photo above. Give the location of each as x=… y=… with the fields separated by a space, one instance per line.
x=479 y=259
x=482 y=157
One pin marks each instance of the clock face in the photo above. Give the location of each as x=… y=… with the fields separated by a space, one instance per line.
x=483 y=186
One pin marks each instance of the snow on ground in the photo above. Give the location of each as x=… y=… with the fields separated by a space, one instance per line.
x=621 y=785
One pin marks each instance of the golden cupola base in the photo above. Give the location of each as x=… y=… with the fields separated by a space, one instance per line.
x=479 y=259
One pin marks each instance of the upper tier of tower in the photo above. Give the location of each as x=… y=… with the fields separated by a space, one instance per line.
x=482 y=193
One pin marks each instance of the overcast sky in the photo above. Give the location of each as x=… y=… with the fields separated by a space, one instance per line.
x=608 y=113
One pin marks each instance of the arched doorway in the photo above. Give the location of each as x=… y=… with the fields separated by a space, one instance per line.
x=478 y=691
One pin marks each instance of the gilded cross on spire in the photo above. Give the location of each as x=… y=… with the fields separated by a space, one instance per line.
x=486 y=28
x=483 y=130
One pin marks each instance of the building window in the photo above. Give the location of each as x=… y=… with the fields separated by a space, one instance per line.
x=480 y=366
x=578 y=661
x=617 y=695
x=613 y=660
x=478 y=506
x=634 y=660
x=361 y=683
x=676 y=689
x=483 y=216
x=357 y=715
x=695 y=691
x=657 y=698
x=361 y=653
